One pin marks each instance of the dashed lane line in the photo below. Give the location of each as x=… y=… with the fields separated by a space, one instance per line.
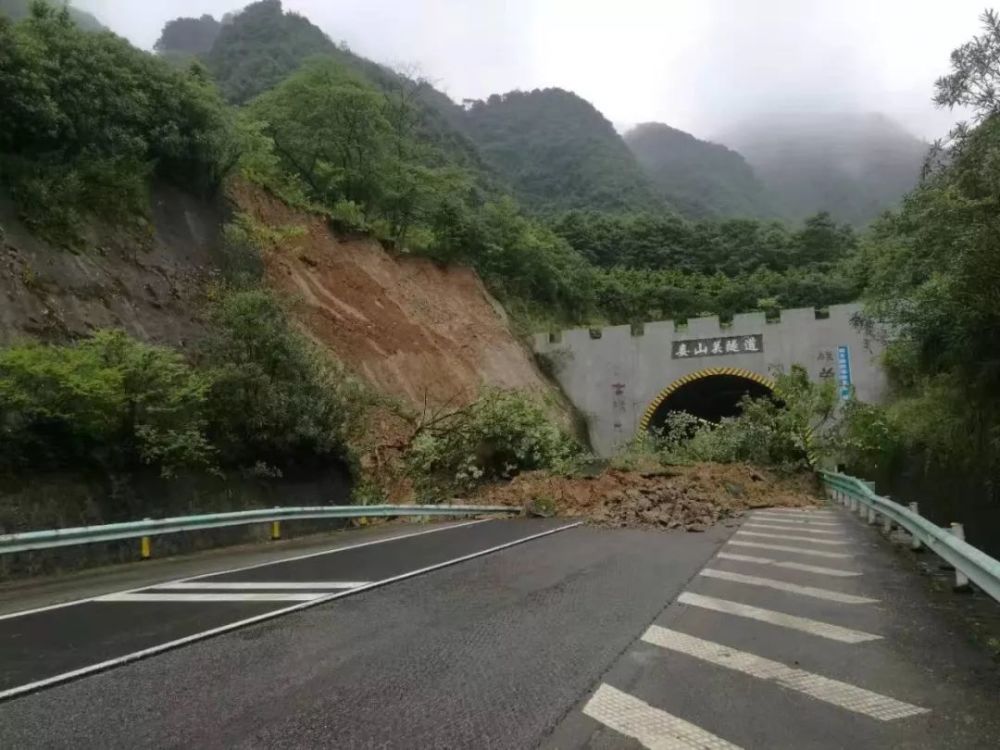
x=791 y=538
x=650 y=727
x=781 y=619
x=796 y=550
x=790 y=565
x=230 y=597
x=842 y=694
x=792 y=588
x=796 y=529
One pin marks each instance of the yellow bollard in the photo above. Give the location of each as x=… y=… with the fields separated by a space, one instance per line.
x=275 y=530
x=145 y=548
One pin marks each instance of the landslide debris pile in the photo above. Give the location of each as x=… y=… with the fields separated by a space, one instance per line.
x=692 y=498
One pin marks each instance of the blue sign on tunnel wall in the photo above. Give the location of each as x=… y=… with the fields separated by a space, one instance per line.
x=844 y=371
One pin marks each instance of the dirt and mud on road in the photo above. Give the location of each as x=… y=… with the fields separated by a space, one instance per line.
x=682 y=497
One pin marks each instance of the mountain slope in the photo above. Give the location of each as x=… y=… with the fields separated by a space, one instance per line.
x=262 y=45
x=18 y=9
x=559 y=153
x=854 y=166
x=699 y=178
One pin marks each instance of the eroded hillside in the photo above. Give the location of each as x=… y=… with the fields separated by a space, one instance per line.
x=411 y=327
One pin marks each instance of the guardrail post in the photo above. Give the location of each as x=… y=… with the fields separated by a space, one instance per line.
x=146 y=545
x=961 y=580
x=886 y=525
x=914 y=542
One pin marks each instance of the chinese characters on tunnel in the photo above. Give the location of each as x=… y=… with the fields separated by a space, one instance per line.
x=751 y=344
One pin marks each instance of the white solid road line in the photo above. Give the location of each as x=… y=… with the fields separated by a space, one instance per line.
x=650 y=727
x=796 y=529
x=195 y=637
x=796 y=550
x=152 y=596
x=803 y=624
x=838 y=693
x=790 y=537
x=344 y=548
x=257 y=585
x=792 y=588
x=790 y=565
x=800 y=511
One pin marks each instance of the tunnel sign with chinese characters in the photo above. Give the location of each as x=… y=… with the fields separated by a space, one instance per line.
x=720 y=346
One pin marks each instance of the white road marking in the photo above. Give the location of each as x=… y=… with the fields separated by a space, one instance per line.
x=796 y=529
x=152 y=596
x=790 y=537
x=195 y=637
x=344 y=548
x=792 y=588
x=796 y=521
x=650 y=727
x=797 y=550
x=800 y=511
x=256 y=585
x=790 y=565
x=831 y=691
x=803 y=624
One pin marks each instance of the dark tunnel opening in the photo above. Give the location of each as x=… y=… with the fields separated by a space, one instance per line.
x=711 y=398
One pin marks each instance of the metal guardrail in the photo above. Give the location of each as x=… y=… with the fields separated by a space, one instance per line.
x=37 y=540
x=970 y=564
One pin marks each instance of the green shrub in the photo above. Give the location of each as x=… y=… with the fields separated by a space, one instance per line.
x=274 y=398
x=108 y=402
x=499 y=435
x=783 y=431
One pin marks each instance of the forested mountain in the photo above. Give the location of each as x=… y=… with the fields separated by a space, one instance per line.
x=262 y=45
x=700 y=179
x=559 y=153
x=18 y=9
x=854 y=166
x=188 y=36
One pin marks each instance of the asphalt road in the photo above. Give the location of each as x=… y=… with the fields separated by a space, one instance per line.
x=55 y=643
x=798 y=631
x=806 y=631
x=491 y=652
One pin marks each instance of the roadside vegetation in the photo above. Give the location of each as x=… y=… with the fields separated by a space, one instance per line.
x=89 y=123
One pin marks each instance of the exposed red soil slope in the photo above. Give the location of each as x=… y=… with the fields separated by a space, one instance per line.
x=411 y=328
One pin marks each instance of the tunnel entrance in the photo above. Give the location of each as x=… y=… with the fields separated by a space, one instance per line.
x=707 y=395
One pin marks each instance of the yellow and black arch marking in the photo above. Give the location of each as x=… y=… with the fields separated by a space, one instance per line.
x=698 y=375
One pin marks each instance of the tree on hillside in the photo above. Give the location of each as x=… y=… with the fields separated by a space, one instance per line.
x=86 y=117
x=933 y=275
x=16 y=10
x=188 y=36
x=259 y=47
x=559 y=153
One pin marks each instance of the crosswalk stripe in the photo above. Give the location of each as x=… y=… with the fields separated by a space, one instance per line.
x=800 y=511
x=796 y=521
x=796 y=529
x=782 y=548
x=781 y=619
x=831 y=691
x=790 y=537
x=255 y=585
x=244 y=597
x=790 y=565
x=792 y=588
x=650 y=727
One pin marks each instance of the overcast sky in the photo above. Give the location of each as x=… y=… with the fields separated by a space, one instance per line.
x=700 y=65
